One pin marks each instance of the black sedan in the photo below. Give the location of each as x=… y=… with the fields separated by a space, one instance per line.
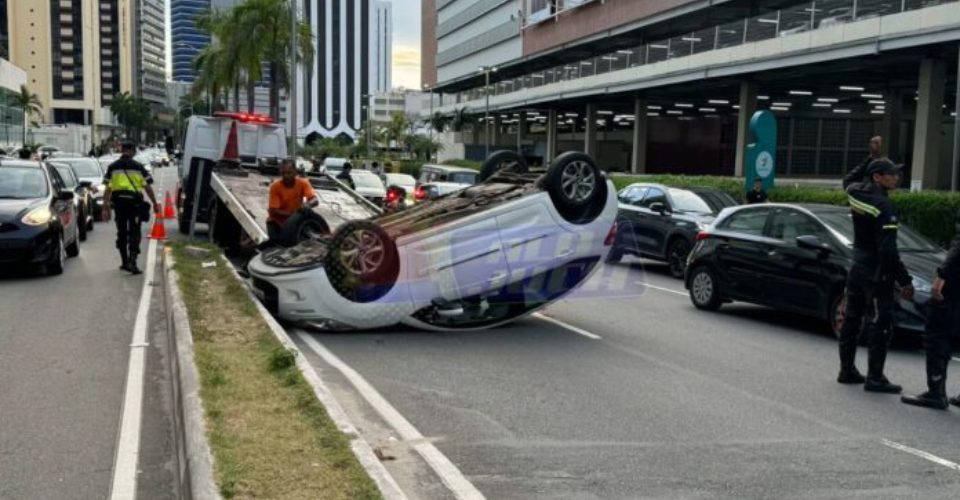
x=83 y=201
x=661 y=222
x=38 y=220
x=796 y=258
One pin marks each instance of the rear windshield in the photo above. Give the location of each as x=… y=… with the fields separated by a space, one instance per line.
x=22 y=183
x=688 y=201
x=462 y=177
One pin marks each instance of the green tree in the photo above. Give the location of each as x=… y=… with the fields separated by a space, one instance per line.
x=396 y=129
x=133 y=114
x=459 y=119
x=29 y=103
x=439 y=122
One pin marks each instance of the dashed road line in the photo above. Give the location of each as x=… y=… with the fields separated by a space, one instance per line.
x=660 y=288
x=574 y=329
x=451 y=476
x=922 y=454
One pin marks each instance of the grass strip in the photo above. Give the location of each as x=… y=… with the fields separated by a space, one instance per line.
x=269 y=435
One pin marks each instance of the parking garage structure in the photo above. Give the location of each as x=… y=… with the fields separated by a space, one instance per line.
x=673 y=92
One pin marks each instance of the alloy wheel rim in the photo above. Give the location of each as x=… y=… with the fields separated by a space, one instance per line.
x=677 y=257
x=362 y=252
x=578 y=181
x=702 y=288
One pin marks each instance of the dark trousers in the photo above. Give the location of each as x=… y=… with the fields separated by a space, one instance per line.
x=873 y=301
x=284 y=235
x=128 y=226
x=943 y=325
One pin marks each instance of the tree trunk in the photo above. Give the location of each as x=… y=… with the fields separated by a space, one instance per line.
x=251 y=95
x=236 y=94
x=24 y=143
x=274 y=93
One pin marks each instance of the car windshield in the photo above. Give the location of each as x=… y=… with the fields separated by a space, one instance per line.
x=462 y=177
x=688 y=201
x=366 y=179
x=83 y=167
x=907 y=239
x=401 y=180
x=22 y=183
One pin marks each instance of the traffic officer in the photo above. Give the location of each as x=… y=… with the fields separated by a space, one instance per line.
x=943 y=323
x=876 y=269
x=757 y=194
x=125 y=178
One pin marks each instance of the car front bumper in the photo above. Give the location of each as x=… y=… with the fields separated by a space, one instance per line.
x=28 y=245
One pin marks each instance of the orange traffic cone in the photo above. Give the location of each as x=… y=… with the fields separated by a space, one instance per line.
x=159 y=232
x=168 y=207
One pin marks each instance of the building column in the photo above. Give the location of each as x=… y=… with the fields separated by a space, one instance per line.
x=521 y=129
x=551 y=137
x=926 y=138
x=590 y=131
x=638 y=163
x=495 y=135
x=748 y=105
x=890 y=126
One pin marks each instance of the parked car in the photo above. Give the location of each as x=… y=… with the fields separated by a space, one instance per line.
x=481 y=257
x=38 y=220
x=433 y=190
x=661 y=222
x=83 y=201
x=88 y=170
x=405 y=181
x=368 y=185
x=448 y=173
x=334 y=166
x=796 y=258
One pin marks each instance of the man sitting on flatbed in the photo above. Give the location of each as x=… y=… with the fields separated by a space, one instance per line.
x=289 y=197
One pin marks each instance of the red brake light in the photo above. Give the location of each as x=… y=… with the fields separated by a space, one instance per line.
x=420 y=194
x=611 y=235
x=391 y=195
x=702 y=235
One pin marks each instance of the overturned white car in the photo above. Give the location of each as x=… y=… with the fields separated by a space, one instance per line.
x=475 y=258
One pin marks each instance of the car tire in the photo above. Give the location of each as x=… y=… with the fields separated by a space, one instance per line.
x=54 y=266
x=310 y=227
x=614 y=255
x=705 y=289
x=573 y=180
x=82 y=226
x=677 y=253
x=502 y=161
x=362 y=263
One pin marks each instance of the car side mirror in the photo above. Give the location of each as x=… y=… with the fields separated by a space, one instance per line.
x=810 y=242
x=65 y=195
x=659 y=208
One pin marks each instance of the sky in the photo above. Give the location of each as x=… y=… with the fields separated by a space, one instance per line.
x=406 y=43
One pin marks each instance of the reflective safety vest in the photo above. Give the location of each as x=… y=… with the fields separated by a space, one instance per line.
x=126 y=174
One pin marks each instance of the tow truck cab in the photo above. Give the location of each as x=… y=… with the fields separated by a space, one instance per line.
x=206 y=138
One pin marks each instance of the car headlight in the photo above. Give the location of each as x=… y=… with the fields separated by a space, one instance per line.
x=38 y=217
x=922 y=285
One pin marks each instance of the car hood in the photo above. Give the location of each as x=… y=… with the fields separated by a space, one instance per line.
x=923 y=264
x=14 y=210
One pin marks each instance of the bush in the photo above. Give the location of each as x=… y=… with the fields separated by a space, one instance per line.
x=930 y=213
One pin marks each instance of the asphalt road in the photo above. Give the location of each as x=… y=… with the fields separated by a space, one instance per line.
x=669 y=402
x=64 y=351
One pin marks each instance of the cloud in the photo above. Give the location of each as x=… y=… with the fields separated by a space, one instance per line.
x=406 y=66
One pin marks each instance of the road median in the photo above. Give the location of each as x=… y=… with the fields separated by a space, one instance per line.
x=269 y=434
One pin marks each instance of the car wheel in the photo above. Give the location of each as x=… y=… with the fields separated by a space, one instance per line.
x=58 y=259
x=311 y=227
x=677 y=254
x=362 y=262
x=502 y=161
x=573 y=180
x=704 y=289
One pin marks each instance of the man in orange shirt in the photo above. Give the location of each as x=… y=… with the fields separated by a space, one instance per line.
x=288 y=197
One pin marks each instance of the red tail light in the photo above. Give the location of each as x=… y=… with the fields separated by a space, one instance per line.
x=611 y=235
x=420 y=193
x=702 y=235
x=391 y=195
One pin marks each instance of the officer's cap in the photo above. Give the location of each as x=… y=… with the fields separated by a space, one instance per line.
x=883 y=166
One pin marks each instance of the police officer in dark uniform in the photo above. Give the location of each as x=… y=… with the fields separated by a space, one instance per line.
x=757 y=194
x=943 y=323
x=876 y=270
x=125 y=178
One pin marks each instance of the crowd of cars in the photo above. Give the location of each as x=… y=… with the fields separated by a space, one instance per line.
x=48 y=207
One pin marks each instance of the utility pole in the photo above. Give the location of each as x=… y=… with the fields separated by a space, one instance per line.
x=292 y=112
x=486 y=70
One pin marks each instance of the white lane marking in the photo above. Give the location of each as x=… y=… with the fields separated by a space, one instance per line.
x=125 y=463
x=662 y=289
x=922 y=454
x=444 y=468
x=579 y=331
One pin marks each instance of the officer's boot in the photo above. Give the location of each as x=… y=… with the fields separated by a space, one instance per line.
x=876 y=382
x=936 y=395
x=124 y=259
x=848 y=370
x=132 y=267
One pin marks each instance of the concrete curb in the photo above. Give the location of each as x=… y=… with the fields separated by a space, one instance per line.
x=194 y=459
x=361 y=449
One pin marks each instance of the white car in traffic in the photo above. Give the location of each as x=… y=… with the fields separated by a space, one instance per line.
x=475 y=258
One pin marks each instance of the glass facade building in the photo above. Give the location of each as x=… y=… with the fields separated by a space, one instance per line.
x=187 y=40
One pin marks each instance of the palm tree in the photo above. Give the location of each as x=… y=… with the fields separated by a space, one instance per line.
x=397 y=129
x=29 y=103
x=460 y=118
x=438 y=122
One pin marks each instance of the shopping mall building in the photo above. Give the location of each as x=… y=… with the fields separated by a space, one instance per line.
x=660 y=86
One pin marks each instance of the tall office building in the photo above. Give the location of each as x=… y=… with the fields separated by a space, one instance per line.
x=186 y=40
x=381 y=52
x=150 y=50
x=4 y=31
x=331 y=96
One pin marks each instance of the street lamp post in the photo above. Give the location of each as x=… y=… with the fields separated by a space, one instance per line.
x=486 y=70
